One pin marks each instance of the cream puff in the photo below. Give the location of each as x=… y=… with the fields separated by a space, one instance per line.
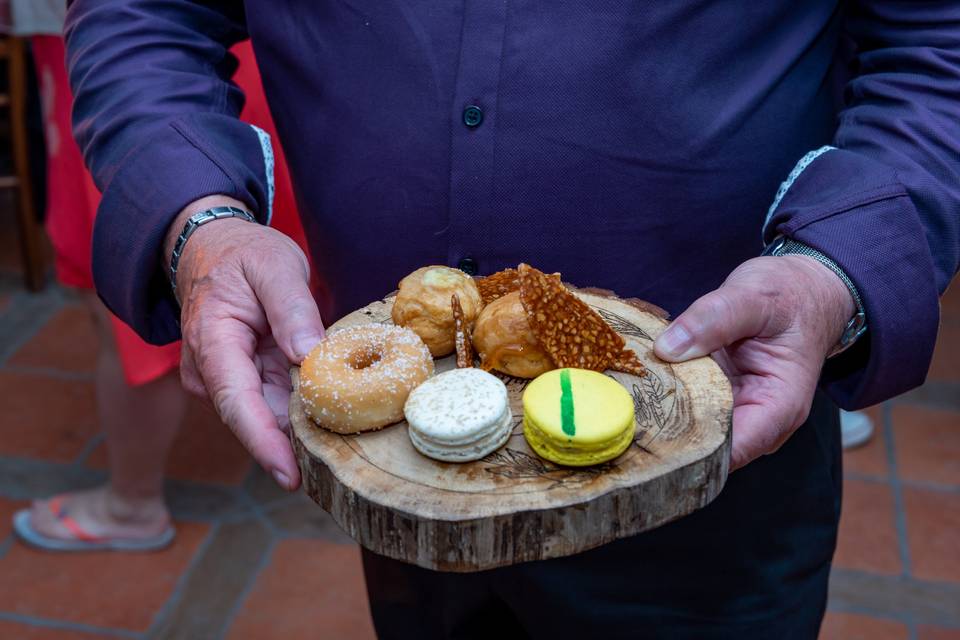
x=423 y=305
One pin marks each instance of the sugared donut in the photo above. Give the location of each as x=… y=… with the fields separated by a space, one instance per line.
x=357 y=379
x=423 y=304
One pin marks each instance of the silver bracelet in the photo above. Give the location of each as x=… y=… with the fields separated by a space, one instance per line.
x=196 y=221
x=857 y=325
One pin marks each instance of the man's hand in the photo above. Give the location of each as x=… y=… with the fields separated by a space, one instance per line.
x=769 y=326
x=247 y=314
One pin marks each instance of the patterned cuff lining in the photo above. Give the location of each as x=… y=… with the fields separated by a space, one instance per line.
x=268 y=163
x=804 y=162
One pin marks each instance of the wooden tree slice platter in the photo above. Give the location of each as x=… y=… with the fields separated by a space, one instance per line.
x=513 y=506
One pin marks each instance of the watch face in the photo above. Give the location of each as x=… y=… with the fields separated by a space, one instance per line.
x=855 y=328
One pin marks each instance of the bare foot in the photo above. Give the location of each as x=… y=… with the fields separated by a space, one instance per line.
x=102 y=513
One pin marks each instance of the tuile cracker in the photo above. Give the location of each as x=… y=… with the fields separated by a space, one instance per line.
x=629 y=362
x=572 y=334
x=498 y=284
x=463 y=342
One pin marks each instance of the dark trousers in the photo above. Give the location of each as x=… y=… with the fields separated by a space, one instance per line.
x=752 y=564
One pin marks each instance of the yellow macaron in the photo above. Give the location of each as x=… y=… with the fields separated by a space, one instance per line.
x=576 y=417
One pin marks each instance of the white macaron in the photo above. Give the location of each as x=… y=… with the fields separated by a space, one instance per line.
x=459 y=415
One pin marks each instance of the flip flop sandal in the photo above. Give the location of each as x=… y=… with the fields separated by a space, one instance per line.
x=82 y=540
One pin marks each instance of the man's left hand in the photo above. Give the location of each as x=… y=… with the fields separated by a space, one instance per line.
x=770 y=326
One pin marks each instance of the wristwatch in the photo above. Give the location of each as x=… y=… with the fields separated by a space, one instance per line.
x=857 y=325
x=196 y=221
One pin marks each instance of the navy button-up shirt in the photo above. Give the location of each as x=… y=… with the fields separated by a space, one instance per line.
x=634 y=146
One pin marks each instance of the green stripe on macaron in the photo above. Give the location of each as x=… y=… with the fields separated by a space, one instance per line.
x=566 y=404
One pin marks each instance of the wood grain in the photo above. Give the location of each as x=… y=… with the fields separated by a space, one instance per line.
x=512 y=506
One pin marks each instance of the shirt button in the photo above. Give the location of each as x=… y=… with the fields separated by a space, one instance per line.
x=468 y=266
x=472 y=116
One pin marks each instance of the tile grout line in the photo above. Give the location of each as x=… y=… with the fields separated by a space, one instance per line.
x=279 y=503
x=27 y=319
x=934 y=487
x=900 y=517
x=903 y=618
x=202 y=613
x=258 y=511
x=231 y=616
x=895 y=597
x=88 y=449
x=64 y=625
x=865 y=477
x=933 y=395
x=263 y=511
x=174 y=598
x=50 y=372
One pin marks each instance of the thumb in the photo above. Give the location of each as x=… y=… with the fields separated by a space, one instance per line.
x=282 y=286
x=712 y=322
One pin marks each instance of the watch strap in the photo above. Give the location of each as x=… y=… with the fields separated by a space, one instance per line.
x=857 y=325
x=193 y=223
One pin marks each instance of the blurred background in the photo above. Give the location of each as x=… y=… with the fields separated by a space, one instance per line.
x=250 y=561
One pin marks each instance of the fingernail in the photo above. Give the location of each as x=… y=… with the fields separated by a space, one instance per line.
x=675 y=341
x=281 y=478
x=303 y=343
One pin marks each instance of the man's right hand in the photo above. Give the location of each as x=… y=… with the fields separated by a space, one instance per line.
x=247 y=314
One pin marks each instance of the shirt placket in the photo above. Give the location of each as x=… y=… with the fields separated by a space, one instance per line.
x=473 y=134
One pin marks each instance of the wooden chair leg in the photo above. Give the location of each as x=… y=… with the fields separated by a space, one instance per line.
x=31 y=250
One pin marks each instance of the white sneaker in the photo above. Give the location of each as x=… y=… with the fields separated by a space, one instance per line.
x=856 y=429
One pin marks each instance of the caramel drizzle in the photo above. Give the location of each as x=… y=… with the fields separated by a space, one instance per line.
x=494 y=360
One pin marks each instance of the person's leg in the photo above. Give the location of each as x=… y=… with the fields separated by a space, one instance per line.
x=140 y=424
x=409 y=602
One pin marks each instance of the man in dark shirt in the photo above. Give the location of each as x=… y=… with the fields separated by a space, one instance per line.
x=632 y=146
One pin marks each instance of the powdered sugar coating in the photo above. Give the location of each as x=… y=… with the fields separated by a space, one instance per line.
x=359 y=377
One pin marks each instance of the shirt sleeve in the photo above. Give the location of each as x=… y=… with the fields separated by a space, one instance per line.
x=884 y=202
x=157 y=119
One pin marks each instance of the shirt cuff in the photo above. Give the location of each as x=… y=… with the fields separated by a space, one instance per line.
x=194 y=156
x=855 y=211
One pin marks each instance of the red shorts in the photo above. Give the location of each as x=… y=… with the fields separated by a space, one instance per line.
x=72 y=198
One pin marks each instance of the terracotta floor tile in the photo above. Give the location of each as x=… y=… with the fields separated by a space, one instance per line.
x=205 y=450
x=27 y=632
x=933 y=532
x=849 y=626
x=925 y=632
x=927 y=444
x=116 y=590
x=871 y=458
x=868 y=537
x=7 y=509
x=309 y=585
x=946 y=356
x=67 y=342
x=45 y=417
